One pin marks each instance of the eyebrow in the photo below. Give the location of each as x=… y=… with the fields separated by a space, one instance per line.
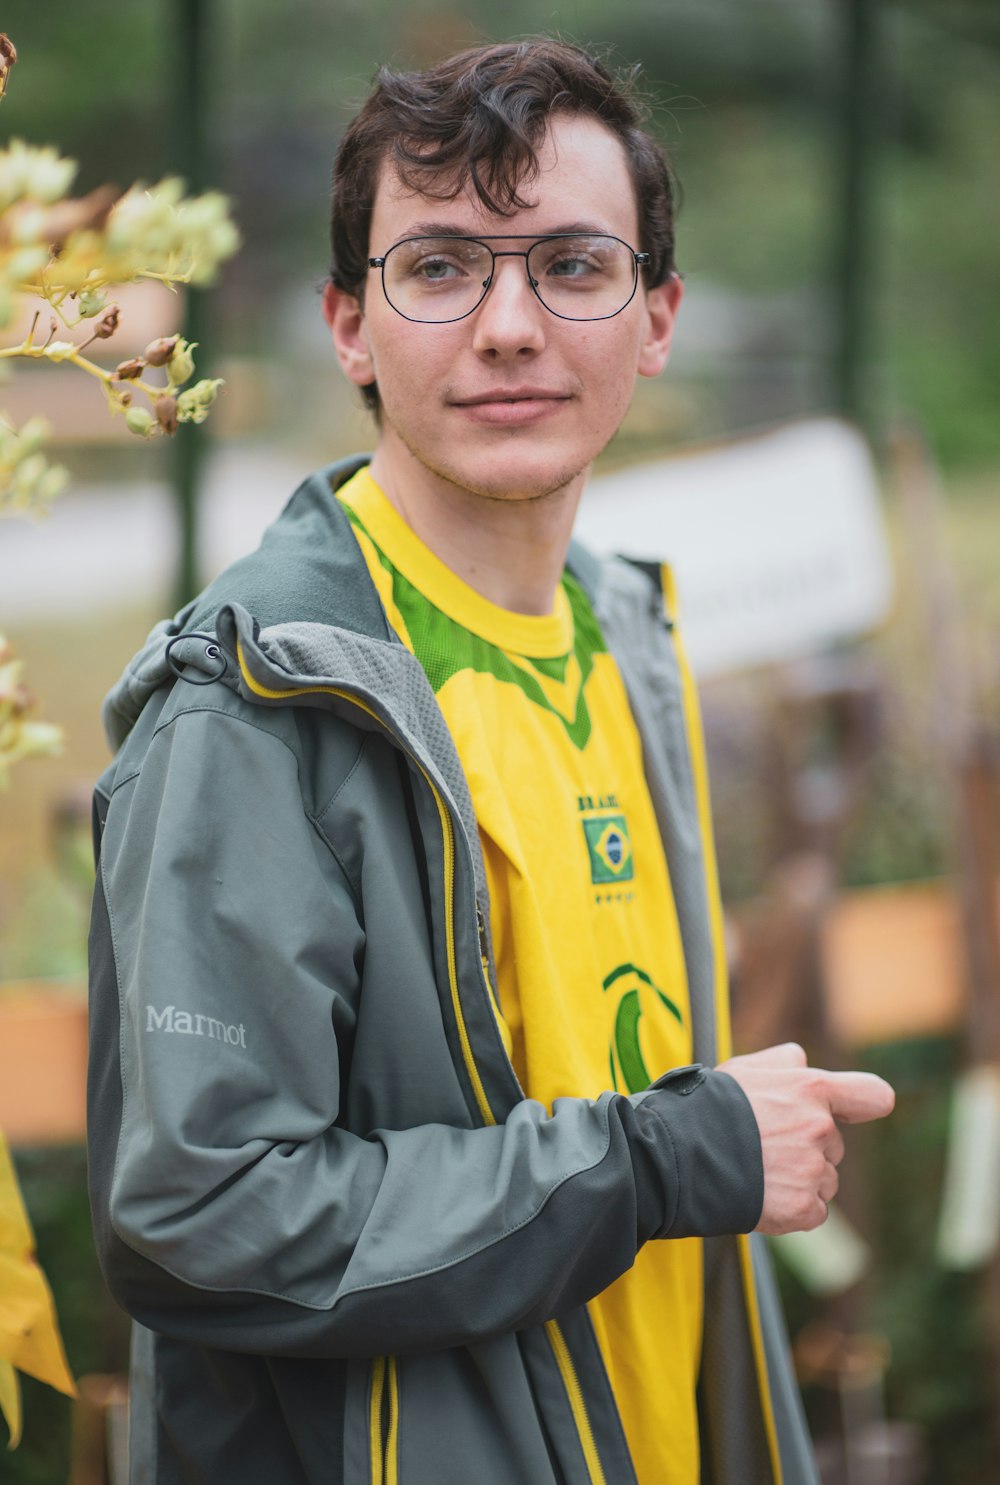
x=449 y=229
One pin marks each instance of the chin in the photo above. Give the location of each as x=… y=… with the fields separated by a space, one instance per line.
x=514 y=473
x=518 y=485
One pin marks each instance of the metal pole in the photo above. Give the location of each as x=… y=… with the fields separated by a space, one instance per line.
x=858 y=129
x=190 y=19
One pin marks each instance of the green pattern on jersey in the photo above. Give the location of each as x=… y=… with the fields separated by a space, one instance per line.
x=445 y=647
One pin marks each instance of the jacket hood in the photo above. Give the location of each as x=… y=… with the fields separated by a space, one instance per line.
x=307 y=569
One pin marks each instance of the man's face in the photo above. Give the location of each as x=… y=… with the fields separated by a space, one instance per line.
x=555 y=390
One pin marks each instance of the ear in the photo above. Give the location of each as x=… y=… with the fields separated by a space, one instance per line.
x=662 y=304
x=345 y=317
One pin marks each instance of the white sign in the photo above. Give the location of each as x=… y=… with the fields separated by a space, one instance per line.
x=776 y=542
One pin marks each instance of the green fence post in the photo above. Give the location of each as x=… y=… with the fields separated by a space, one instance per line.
x=190 y=18
x=858 y=118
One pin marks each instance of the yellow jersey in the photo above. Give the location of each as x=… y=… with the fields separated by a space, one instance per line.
x=590 y=966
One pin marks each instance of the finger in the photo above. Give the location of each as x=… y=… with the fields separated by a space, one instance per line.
x=805 y=1219
x=834 y=1147
x=856 y=1097
x=829 y=1184
x=786 y=1054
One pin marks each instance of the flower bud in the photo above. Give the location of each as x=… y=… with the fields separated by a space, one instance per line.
x=193 y=405
x=166 y=412
x=92 y=301
x=27 y=473
x=207 y=390
x=34 y=433
x=127 y=371
x=139 y=421
x=108 y=323
x=25 y=224
x=180 y=367
x=158 y=352
x=52 y=483
x=35 y=174
x=8 y=56
x=40 y=739
x=24 y=263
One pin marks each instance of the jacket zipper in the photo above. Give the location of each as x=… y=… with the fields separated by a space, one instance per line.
x=384 y=1369
x=578 y=1406
x=448 y=837
x=383 y=1422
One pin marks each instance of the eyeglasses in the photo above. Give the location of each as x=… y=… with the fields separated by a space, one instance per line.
x=575 y=275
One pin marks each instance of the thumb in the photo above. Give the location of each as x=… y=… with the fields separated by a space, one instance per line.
x=787 y=1054
x=857 y=1097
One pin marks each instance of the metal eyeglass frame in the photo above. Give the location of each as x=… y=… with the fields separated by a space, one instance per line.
x=639 y=260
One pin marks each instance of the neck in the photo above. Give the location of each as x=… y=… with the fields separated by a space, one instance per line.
x=510 y=547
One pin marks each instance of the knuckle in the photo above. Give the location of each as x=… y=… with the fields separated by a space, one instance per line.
x=804 y=1211
x=820 y=1127
x=814 y=1081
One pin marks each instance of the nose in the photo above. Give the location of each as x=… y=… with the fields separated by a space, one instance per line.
x=510 y=321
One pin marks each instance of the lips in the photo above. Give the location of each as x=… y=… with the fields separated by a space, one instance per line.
x=511 y=407
x=511 y=394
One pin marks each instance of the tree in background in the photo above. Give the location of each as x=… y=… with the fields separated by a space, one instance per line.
x=68 y=254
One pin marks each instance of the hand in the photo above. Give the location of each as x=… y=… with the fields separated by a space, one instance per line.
x=797 y=1108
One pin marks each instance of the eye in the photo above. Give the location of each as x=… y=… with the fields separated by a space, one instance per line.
x=436 y=262
x=435 y=270
x=573 y=265
x=575 y=262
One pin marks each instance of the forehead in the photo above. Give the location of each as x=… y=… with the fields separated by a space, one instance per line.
x=583 y=181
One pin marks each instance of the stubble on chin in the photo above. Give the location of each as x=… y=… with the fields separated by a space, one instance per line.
x=496 y=490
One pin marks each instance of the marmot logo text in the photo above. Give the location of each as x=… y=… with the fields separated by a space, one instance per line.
x=184 y=1023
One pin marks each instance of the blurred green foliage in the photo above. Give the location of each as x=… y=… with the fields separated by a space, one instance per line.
x=933 y=1319
x=47 y=938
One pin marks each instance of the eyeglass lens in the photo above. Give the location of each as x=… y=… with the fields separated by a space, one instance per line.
x=579 y=277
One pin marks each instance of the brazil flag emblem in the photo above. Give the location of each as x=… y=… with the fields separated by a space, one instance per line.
x=609 y=849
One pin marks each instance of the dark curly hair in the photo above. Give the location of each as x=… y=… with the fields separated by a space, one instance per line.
x=480 y=116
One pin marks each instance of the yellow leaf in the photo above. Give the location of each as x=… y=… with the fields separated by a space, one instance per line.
x=10 y=1402
x=29 y=1331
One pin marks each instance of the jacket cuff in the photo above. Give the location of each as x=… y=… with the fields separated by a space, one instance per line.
x=702 y=1136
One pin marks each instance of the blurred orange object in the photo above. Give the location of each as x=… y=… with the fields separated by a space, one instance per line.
x=893 y=964
x=43 y=1062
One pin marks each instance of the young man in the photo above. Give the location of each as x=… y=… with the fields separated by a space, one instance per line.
x=411 y=1156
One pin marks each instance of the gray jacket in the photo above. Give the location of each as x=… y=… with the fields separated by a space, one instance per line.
x=354 y=1250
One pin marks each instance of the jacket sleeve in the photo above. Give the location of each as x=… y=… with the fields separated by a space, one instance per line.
x=231 y=1206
